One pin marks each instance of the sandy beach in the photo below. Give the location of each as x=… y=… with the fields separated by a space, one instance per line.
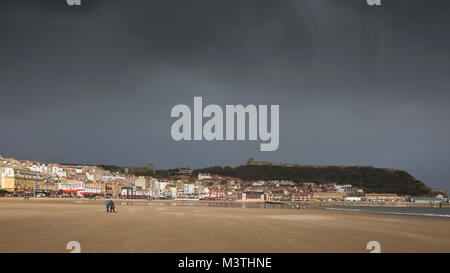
x=48 y=225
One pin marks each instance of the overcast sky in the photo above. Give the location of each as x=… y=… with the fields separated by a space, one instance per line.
x=356 y=85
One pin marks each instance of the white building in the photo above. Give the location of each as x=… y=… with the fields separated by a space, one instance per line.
x=58 y=171
x=161 y=189
x=353 y=199
x=38 y=168
x=173 y=191
x=342 y=188
x=189 y=188
x=202 y=176
x=259 y=183
x=90 y=176
x=6 y=172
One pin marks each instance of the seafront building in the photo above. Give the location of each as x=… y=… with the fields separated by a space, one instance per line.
x=15 y=179
x=438 y=199
x=383 y=197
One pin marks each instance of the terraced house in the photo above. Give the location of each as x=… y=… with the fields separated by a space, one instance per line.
x=19 y=181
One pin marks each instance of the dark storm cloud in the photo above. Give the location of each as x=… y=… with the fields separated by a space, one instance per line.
x=356 y=85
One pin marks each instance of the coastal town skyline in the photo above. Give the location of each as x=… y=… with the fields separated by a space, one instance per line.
x=190 y=167
x=34 y=178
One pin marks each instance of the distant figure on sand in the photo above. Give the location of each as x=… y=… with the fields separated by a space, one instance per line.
x=107 y=204
x=112 y=206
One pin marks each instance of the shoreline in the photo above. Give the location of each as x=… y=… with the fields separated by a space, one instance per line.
x=402 y=211
x=287 y=203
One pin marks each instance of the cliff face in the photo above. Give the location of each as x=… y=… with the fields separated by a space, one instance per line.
x=370 y=179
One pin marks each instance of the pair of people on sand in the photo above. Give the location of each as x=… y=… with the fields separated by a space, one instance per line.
x=110 y=206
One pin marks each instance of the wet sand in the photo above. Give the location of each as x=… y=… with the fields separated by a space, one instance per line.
x=48 y=225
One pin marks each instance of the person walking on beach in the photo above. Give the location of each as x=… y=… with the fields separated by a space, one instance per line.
x=107 y=204
x=112 y=206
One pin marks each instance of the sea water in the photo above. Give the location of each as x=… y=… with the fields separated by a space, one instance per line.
x=414 y=211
